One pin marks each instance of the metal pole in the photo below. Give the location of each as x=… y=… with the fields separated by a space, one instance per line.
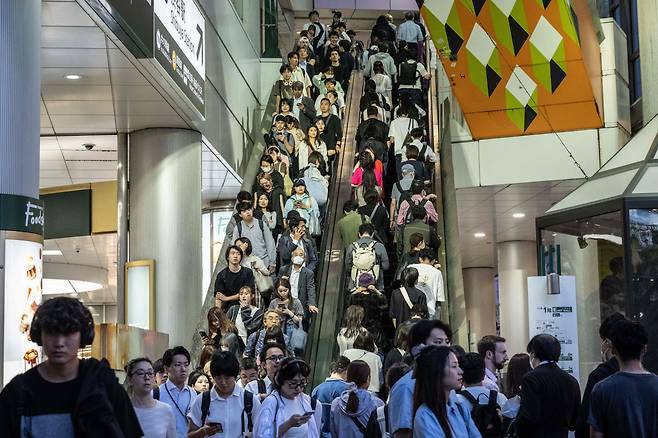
x=122 y=223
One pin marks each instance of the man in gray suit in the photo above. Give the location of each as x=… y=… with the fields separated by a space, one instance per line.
x=302 y=281
x=302 y=107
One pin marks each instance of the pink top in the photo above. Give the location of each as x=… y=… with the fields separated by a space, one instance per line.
x=432 y=215
x=357 y=176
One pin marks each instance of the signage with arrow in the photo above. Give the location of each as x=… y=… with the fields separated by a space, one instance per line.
x=179 y=28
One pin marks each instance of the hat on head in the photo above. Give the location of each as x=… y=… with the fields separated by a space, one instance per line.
x=366 y=279
x=408 y=168
x=299 y=182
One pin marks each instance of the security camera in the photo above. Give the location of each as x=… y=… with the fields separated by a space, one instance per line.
x=89 y=146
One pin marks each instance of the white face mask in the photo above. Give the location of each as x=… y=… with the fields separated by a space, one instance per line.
x=298 y=260
x=266 y=169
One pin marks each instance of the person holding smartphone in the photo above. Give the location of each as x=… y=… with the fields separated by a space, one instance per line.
x=288 y=412
x=289 y=307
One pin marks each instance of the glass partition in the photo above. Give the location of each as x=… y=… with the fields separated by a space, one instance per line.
x=591 y=249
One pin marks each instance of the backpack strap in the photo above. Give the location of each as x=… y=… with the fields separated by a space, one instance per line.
x=360 y=425
x=468 y=396
x=399 y=187
x=374 y=210
x=262 y=388
x=405 y=295
x=248 y=407
x=386 y=418
x=314 y=403
x=239 y=227
x=205 y=406
x=156 y=393
x=493 y=399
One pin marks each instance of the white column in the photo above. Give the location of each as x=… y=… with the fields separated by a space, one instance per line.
x=517 y=260
x=480 y=296
x=165 y=223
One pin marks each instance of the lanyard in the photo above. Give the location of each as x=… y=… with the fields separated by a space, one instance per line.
x=174 y=402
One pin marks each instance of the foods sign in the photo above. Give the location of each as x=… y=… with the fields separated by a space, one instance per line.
x=180 y=28
x=23 y=275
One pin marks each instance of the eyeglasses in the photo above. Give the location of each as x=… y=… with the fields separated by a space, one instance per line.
x=294 y=385
x=141 y=373
x=276 y=358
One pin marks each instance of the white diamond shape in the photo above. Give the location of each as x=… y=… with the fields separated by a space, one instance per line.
x=545 y=38
x=505 y=6
x=440 y=9
x=480 y=44
x=521 y=86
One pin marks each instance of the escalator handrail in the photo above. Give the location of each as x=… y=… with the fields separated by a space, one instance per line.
x=330 y=290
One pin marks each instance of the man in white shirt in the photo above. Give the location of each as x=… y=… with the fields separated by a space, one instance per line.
x=410 y=73
x=175 y=391
x=298 y=73
x=493 y=350
x=430 y=281
x=231 y=410
x=270 y=358
x=473 y=367
x=397 y=132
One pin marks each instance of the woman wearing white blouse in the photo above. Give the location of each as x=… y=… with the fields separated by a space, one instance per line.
x=311 y=144
x=155 y=417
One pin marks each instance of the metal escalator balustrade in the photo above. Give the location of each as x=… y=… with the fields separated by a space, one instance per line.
x=321 y=344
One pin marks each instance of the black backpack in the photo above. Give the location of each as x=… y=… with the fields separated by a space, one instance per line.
x=408 y=73
x=406 y=195
x=486 y=417
x=248 y=407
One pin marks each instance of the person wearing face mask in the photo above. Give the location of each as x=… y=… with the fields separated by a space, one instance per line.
x=436 y=413
x=608 y=366
x=302 y=281
x=401 y=398
x=297 y=237
x=550 y=397
x=288 y=412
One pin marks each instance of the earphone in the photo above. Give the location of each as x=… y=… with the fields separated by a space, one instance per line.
x=86 y=331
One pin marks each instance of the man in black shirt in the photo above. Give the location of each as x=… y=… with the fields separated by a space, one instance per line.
x=65 y=396
x=331 y=130
x=379 y=130
x=231 y=279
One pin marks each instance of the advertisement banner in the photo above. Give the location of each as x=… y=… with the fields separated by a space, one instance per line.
x=23 y=275
x=556 y=315
x=179 y=29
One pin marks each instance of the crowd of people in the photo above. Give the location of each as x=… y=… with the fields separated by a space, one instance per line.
x=397 y=372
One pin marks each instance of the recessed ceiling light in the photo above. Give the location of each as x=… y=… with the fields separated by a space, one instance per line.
x=73 y=77
x=518 y=215
x=52 y=252
x=479 y=235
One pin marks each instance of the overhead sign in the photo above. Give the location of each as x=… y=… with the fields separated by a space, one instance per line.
x=21 y=213
x=556 y=314
x=180 y=29
x=131 y=21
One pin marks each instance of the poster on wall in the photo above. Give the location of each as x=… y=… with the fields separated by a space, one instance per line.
x=23 y=275
x=556 y=315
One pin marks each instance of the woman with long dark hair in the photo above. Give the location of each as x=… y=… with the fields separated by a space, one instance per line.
x=350 y=412
x=219 y=324
x=435 y=414
x=289 y=307
x=517 y=368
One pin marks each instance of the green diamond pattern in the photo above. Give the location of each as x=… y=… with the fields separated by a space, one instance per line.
x=510 y=23
x=442 y=15
x=548 y=55
x=521 y=99
x=483 y=61
x=569 y=20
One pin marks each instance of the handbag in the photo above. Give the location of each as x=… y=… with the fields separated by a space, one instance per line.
x=298 y=338
x=263 y=282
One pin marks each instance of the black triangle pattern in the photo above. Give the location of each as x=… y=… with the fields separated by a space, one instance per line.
x=574 y=18
x=528 y=116
x=557 y=75
x=478 y=5
x=493 y=79
x=519 y=35
x=454 y=40
x=546 y=3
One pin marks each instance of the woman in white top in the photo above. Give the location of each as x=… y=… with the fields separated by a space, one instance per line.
x=351 y=328
x=364 y=349
x=246 y=317
x=312 y=143
x=382 y=81
x=264 y=282
x=155 y=417
x=287 y=412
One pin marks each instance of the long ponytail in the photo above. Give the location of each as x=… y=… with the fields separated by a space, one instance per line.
x=352 y=402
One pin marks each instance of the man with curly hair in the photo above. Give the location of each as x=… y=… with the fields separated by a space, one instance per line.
x=65 y=396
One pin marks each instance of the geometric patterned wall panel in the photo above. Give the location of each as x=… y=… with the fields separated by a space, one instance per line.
x=519 y=66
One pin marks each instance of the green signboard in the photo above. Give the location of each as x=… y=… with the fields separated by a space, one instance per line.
x=21 y=213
